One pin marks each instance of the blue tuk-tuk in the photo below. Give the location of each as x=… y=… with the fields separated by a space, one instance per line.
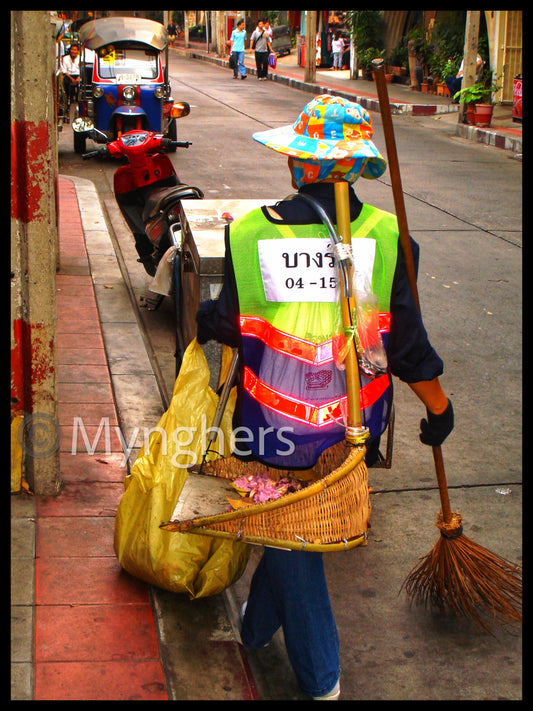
x=123 y=82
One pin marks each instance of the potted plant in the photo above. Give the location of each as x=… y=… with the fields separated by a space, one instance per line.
x=449 y=69
x=367 y=30
x=397 y=59
x=442 y=67
x=364 y=60
x=479 y=102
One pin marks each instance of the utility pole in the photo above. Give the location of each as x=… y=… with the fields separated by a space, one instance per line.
x=310 y=46
x=354 y=70
x=221 y=33
x=469 y=56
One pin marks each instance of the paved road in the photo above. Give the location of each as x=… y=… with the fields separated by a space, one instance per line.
x=464 y=208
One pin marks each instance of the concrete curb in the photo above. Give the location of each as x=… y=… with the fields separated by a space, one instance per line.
x=490 y=137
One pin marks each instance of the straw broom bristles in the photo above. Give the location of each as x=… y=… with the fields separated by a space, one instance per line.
x=466 y=578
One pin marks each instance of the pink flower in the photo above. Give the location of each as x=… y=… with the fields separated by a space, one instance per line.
x=261 y=488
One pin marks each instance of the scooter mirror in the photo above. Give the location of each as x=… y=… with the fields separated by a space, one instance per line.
x=182 y=108
x=82 y=125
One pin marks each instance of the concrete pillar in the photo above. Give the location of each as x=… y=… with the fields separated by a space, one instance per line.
x=310 y=46
x=34 y=246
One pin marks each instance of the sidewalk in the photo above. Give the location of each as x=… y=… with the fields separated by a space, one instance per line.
x=82 y=628
x=91 y=623
x=503 y=133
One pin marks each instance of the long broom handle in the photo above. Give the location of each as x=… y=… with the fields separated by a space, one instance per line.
x=342 y=208
x=394 y=170
x=405 y=241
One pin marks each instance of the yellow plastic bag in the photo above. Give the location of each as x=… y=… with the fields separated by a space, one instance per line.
x=186 y=563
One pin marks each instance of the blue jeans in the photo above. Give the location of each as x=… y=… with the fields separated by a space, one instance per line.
x=239 y=67
x=453 y=84
x=289 y=589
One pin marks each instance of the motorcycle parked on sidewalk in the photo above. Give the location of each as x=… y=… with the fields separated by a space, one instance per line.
x=148 y=191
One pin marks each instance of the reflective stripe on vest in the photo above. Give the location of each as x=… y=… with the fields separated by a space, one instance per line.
x=307 y=351
x=316 y=416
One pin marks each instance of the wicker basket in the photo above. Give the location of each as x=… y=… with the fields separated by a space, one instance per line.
x=331 y=513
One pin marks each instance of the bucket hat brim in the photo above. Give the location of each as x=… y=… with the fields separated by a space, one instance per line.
x=285 y=140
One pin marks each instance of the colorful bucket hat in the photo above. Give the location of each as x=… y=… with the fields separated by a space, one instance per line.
x=329 y=128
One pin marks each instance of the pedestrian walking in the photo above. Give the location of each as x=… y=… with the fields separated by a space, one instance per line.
x=172 y=31
x=237 y=40
x=329 y=142
x=268 y=29
x=260 y=43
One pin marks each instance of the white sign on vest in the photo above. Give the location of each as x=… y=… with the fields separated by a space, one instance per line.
x=303 y=269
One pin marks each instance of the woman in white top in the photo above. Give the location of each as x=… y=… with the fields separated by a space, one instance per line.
x=337 y=47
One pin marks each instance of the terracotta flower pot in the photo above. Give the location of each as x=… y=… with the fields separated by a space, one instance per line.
x=479 y=114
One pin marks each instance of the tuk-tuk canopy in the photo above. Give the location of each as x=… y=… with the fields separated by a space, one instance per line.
x=112 y=30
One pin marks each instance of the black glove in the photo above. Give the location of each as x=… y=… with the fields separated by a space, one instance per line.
x=436 y=428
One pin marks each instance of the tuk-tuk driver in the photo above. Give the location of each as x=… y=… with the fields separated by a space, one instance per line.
x=70 y=67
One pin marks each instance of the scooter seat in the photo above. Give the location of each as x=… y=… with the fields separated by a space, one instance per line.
x=160 y=200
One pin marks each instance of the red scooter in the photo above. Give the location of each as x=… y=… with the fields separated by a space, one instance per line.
x=147 y=189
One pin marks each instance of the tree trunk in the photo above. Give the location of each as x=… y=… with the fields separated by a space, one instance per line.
x=470 y=56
